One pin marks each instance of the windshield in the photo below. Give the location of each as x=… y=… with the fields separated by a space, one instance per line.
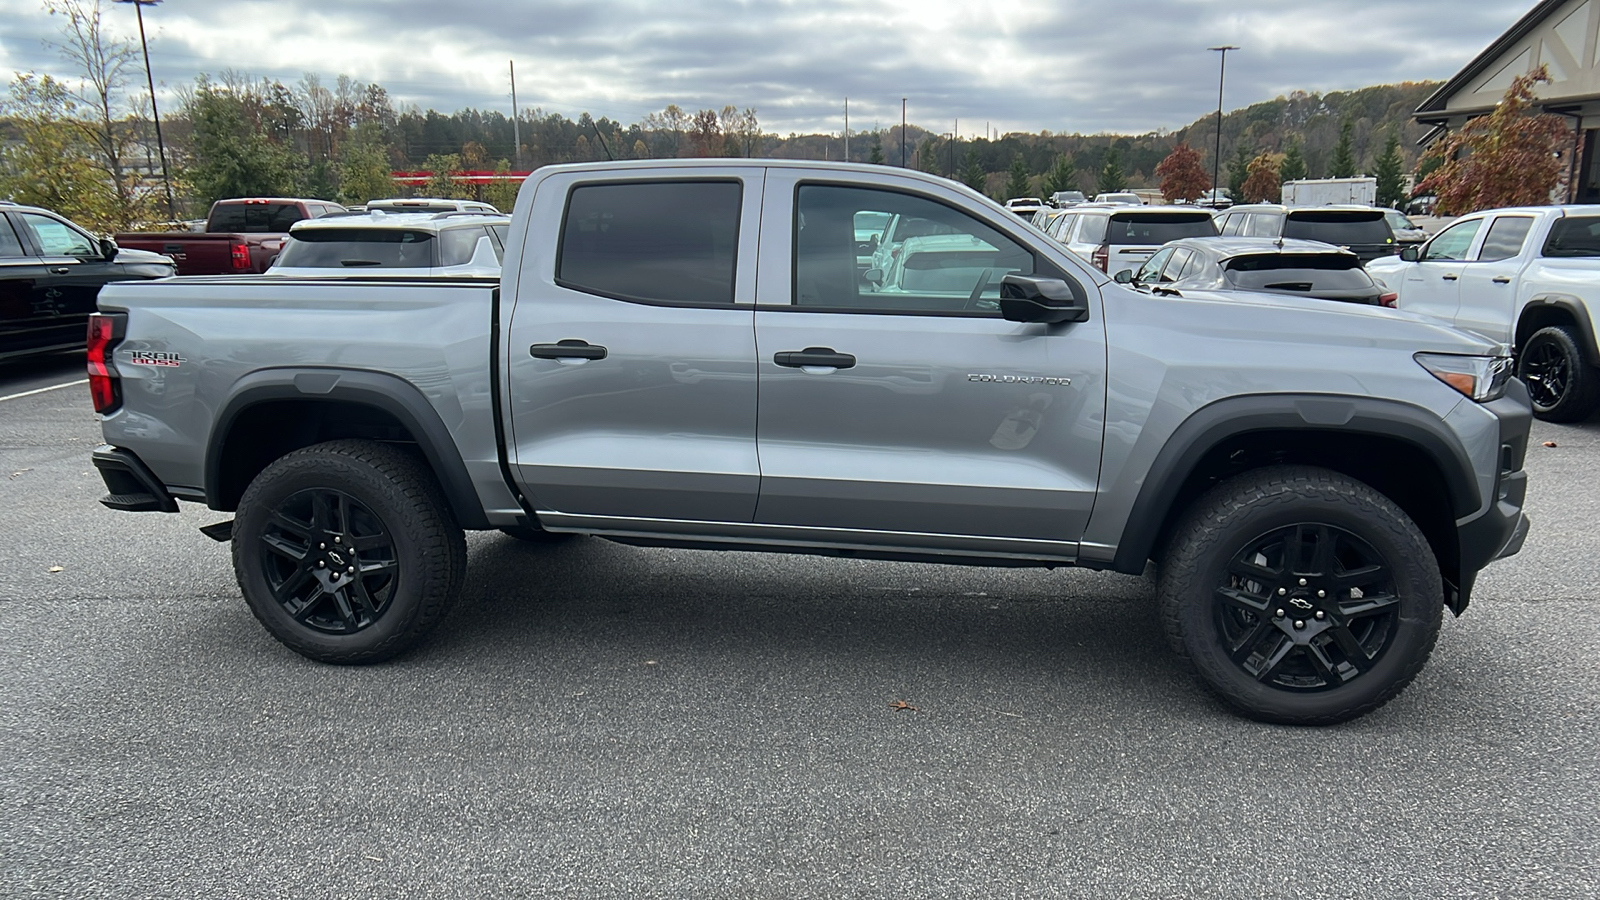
x=350 y=248
x=1154 y=229
x=1339 y=227
x=1298 y=272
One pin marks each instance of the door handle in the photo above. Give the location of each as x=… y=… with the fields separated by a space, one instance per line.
x=819 y=357
x=59 y=270
x=1500 y=279
x=1448 y=277
x=567 y=349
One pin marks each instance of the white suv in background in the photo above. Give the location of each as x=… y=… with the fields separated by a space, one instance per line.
x=1113 y=238
x=429 y=204
x=448 y=244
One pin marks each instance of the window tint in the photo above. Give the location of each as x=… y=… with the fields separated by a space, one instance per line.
x=667 y=242
x=10 y=245
x=1505 y=238
x=1298 y=272
x=1340 y=227
x=57 y=238
x=1574 y=236
x=1169 y=272
x=1155 y=229
x=1452 y=243
x=1151 y=269
x=357 y=248
x=952 y=263
x=255 y=218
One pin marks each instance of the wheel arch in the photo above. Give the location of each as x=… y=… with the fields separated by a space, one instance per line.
x=276 y=411
x=1550 y=309
x=1403 y=451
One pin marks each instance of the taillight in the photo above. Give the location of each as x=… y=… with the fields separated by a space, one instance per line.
x=1102 y=258
x=1392 y=301
x=104 y=333
x=241 y=256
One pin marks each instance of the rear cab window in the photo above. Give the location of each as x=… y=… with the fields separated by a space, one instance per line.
x=670 y=242
x=1574 y=237
x=1155 y=229
x=1339 y=227
x=255 y=217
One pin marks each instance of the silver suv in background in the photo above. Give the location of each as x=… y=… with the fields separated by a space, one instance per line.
x=1363 y=230
x=450 y=244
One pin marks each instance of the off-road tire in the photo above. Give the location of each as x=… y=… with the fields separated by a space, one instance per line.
x=1206 y=605
x=388 y=495
x=1563 y=386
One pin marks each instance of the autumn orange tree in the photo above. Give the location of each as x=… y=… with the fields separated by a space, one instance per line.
x=1510 y=157
x=1182 y=176
x=1262 y=184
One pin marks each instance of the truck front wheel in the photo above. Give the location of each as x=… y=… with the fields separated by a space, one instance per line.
x=346 y=551
x=1300 y=596
x=1561 y=383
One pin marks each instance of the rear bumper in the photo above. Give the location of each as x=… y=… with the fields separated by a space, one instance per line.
x=133 y=487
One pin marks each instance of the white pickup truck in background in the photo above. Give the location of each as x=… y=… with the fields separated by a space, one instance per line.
x=1527 y=277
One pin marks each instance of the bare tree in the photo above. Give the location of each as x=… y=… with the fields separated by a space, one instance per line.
x=103 y=64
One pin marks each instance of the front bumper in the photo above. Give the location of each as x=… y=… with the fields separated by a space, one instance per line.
x=133 y=487
x=1500 y=530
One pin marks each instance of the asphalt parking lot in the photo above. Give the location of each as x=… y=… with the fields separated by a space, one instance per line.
x=596 y=720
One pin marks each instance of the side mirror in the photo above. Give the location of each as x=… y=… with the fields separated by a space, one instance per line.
x=873 y=276
x=1029 y=298
x=1411 y=254
x=1123 y=277
x=108 y=248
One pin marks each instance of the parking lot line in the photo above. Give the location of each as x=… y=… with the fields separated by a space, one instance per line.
x=53 y=387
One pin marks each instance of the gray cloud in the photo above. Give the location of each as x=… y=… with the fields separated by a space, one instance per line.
x=1063 y=65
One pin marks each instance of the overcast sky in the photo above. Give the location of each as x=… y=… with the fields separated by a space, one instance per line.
x=1129 y=66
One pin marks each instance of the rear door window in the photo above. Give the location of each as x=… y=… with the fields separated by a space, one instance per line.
x=10 y=244
x=456 y=245
x=1169 y=272
x=653 y=242
x=1505 y=238
x=1155 y=229
x=1339 y=227
x=1263 y=225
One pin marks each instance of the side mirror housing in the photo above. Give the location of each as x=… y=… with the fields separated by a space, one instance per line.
x=1123 y=277
x=108 y=248
x=1411 y=254
x=1030 y=298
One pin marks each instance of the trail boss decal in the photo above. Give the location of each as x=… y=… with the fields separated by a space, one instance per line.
x=151 y=358
x=1020 y=379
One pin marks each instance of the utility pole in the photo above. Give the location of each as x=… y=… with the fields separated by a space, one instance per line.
x=516 y=127
x=847 y=129
x=1216 y=159
x=955 y=135
x=902 y=132
x=161 y=146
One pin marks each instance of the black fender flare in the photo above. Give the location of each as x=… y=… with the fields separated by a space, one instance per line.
x=1573 y=306
x=1216 y=422
x=381 y=390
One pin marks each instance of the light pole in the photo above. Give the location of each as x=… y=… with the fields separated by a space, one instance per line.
x=1216 y=159
x=902 y=132
x=161 y=146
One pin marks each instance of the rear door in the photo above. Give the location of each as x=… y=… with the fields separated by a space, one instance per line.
x=919 y=410
x=1489 y=284
x=631 y=347
x=28 y=317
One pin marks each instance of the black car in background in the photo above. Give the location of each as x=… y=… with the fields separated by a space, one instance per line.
x=1283 y=266
x=1362 y=230
x=51 y=272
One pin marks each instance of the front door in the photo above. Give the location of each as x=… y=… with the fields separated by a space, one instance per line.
x=909 y=405
x=1432 y=285
x=630 y=347
x=27 y=322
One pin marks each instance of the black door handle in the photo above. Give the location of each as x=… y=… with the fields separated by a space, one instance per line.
x=567 y=349
x=59 y=270
x=1448 y=277
x=821 y=357
x=1500 y=279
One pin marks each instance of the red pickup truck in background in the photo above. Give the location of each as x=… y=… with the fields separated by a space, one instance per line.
x=242 y=236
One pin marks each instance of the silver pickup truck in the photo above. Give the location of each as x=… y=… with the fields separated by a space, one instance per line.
x=686 y=354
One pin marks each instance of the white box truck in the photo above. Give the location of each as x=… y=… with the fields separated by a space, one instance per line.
x=1330 y=192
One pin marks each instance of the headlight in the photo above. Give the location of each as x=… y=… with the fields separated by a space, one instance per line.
x=1483 y=378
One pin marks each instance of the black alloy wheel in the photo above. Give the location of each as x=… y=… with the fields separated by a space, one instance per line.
x=1547 y=373
x=1307 y=607
x=1563 y=385
x=329 y=561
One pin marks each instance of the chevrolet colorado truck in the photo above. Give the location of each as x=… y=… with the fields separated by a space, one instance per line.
x=242 y=236
x=1528 y=278
x=684 y=354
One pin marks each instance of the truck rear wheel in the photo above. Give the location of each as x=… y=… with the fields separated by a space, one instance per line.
x=1300 y=596
x=1563 y=385
x=346 y=551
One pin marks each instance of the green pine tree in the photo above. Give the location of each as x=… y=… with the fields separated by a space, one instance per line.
x=972 y=174
x=1239 y=171
x=876 y=156
x=1294 y=163
x=1343 y=162
x=1390 y=171
x=1017 y=182
x=928 y=157
x=1063 y=176
x=1112 y=178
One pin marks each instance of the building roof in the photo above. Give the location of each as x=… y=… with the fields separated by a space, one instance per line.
x=1433 y=110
